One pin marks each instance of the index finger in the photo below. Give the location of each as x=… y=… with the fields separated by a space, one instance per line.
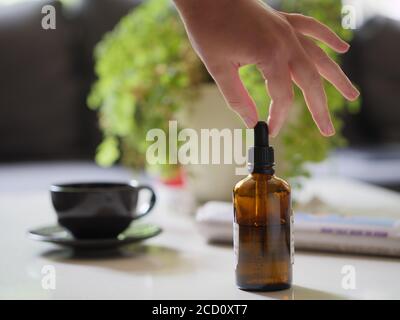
x=306 y=76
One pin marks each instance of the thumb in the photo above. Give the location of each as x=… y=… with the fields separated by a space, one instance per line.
x=229 y=83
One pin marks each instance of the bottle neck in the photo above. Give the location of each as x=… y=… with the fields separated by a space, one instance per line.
x=261 y=169
x=261 y=160
x=261 y=176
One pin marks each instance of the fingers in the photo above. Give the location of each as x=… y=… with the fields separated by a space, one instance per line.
x=329 y=69
x=228 y=80
x=312 y=27
x=306 y=76
x=280 y=89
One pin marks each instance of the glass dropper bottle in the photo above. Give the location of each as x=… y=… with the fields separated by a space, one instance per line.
x=262 y=222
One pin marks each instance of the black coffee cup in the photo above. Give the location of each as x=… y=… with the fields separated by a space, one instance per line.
x=99 y=210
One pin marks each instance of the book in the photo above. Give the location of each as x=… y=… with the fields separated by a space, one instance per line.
x=330 y=232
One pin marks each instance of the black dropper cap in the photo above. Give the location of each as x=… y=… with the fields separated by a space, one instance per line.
x=261 y=156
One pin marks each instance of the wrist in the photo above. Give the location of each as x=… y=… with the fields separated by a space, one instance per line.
x=197 y=7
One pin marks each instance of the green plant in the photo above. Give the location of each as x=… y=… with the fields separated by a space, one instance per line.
x=146 y=69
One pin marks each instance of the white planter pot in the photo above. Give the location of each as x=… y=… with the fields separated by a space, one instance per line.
x=211 y=181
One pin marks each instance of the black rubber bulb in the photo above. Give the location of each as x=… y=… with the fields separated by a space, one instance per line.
x=261 y=134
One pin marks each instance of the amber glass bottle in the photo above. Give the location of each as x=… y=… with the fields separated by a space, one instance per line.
x=262 y=222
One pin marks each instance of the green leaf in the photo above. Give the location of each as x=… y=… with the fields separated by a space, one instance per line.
x=107 y=152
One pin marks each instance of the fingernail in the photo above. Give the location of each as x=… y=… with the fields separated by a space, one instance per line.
x=272 y=129
x=356 y=93
x=352 y=94
x=329 y=129
x=273 y=133
x=345 y=46
x=250 y=122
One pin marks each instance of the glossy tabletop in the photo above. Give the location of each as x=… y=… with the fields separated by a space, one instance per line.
x=177 y=264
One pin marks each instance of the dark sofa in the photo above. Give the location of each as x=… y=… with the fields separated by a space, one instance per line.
x=373 y=64
x=45 y=76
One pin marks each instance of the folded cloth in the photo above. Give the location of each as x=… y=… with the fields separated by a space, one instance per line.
x=214 y=221
x=322 y=232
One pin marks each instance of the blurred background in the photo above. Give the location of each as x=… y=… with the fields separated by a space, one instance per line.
x=77 y=101
x=47 y=131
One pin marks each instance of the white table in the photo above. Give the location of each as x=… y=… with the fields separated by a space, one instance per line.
x=178 y=264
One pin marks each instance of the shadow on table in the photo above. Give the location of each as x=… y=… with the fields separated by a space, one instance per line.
x=301 y=293
x=136 y=258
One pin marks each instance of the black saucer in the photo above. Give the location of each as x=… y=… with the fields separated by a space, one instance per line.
x=59 y=235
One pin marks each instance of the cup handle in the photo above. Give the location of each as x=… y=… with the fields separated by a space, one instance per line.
x=148 y=206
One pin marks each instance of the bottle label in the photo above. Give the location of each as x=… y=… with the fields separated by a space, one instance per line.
x=236 y=243
x=291 y=238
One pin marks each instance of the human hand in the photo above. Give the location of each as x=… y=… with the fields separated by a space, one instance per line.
x=228 y=34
